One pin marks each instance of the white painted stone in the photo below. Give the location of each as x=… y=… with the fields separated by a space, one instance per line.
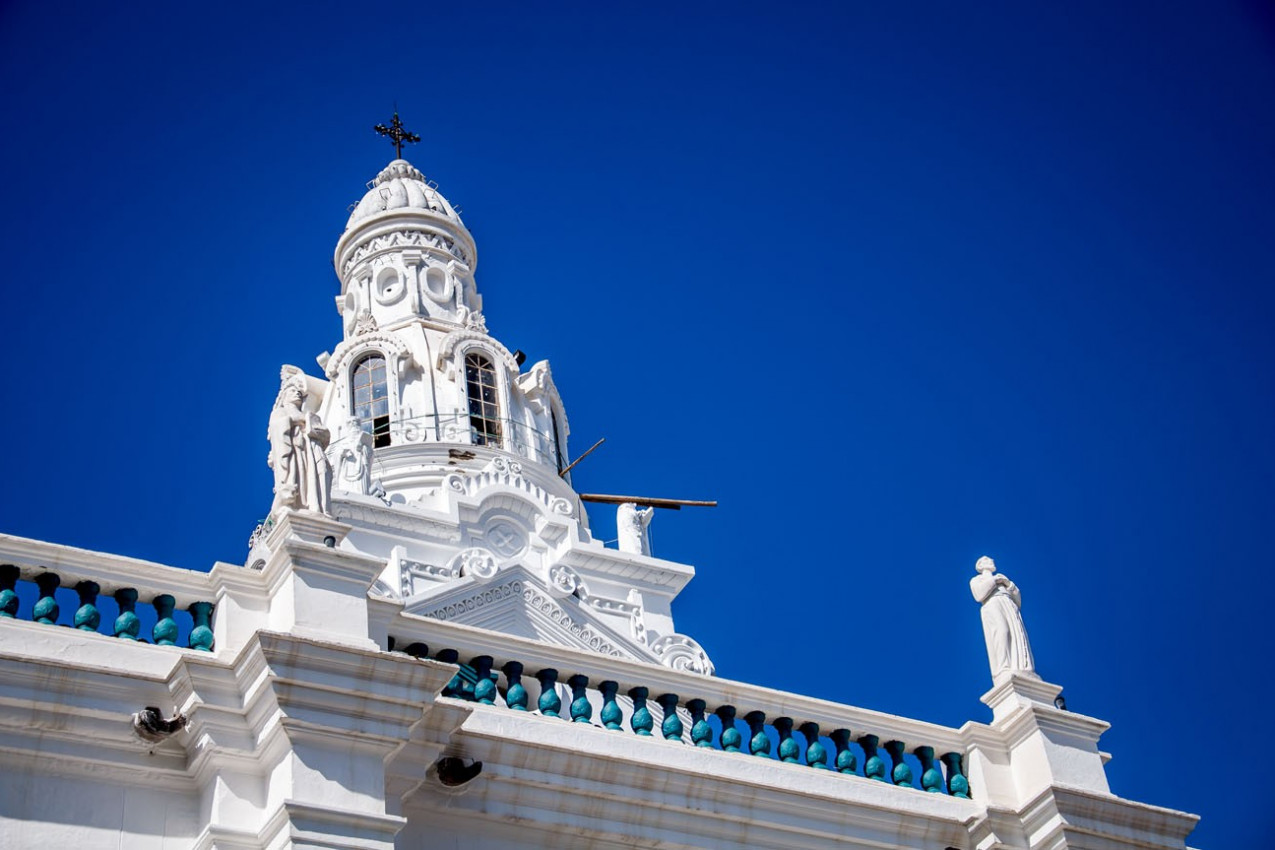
x=632 y=526
x=305 y=731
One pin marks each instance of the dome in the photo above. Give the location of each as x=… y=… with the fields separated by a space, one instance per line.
x=401 y=186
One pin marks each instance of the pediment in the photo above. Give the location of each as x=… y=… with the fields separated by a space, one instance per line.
x=517 y=602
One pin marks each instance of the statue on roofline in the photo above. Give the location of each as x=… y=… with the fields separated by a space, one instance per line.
x=631 y=528
x=1003 y=629
x=298 y=448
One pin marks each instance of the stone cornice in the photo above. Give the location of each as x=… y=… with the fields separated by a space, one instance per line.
x=110 y=571
x=704 y=796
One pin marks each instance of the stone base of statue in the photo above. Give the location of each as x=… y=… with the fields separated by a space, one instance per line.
x=1049 y=746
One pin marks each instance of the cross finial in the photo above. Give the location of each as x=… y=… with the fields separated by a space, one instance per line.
x=397 y=134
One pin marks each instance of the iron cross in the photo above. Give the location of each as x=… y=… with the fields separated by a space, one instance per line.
x=396 y=133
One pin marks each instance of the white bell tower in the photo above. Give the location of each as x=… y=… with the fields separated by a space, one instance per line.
x=445 y=457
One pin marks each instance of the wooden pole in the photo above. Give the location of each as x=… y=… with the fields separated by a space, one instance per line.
x=563 y=472
x=671 y=504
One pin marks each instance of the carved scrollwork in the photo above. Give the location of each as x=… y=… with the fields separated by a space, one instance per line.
x=563 y=581
x=506 y=466
x=680 y=652
x=475 y=563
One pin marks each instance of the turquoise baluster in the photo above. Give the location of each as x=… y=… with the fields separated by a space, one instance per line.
x=846 y=761
x=87 y=617
x=901 y=774
x=464 y=687
x=641 y=721
x=671 y=727
x=957 y=784
x=758 y=742
x=46 y=607
x=450 y=656
x=127 y=625
x=515 y=694
x=931 y=776
x=873 y=765
x=165 y=631
x=701 y=732
x=789 y=751
x=549 y=703
x=731 y=738
x=816 y=755
x=9 y=575
x=201 y=633
x=611 y=717
x=581 y=709
x=484 y=687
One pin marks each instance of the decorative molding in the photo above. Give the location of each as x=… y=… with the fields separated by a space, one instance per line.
x=507 y=472
x=367 y=510
x=680 y=652
x=410 y=573
x=632 y=609
x=380 y=588
x=539 y=389
x=459 y=339
x=404 y=239
x=394 y=348
x=538 y=602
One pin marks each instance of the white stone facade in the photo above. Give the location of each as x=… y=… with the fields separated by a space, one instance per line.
x=372 y=633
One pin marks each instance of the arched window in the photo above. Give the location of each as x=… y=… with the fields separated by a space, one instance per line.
x=484 y=406
x=371 y=397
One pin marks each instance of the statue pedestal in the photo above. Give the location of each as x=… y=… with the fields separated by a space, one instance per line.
x=1013 y=691
x=322 y=589
x=1046 y=746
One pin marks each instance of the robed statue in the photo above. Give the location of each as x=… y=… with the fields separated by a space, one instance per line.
x=298 y=448
x=631 y=525
x=1003 y=629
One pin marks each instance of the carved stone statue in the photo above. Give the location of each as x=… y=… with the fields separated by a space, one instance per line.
x=1003 y=629
x=298 y=444
x=356 y=459
x=631 y=528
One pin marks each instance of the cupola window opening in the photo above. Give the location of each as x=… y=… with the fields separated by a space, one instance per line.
x=484 y=406
x=371 y=396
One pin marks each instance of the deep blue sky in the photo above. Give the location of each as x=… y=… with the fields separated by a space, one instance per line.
x=901 y=285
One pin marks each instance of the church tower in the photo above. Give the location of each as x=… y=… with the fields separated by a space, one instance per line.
x=428 y=647
x=446 y=457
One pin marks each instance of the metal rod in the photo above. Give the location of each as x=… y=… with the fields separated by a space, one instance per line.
x=563 y=472
x=671 y=504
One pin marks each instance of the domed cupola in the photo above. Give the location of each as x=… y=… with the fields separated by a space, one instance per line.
x=405 y=255
x=401 y=185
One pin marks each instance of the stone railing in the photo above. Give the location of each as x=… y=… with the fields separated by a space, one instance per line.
x=515 y=437
x=647 y=700
x=130 y=600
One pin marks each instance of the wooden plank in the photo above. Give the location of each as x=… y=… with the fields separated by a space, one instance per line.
x=671 y=504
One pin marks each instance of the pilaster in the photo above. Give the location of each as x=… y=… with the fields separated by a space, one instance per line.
x=1041 y=746
x=318 y=589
